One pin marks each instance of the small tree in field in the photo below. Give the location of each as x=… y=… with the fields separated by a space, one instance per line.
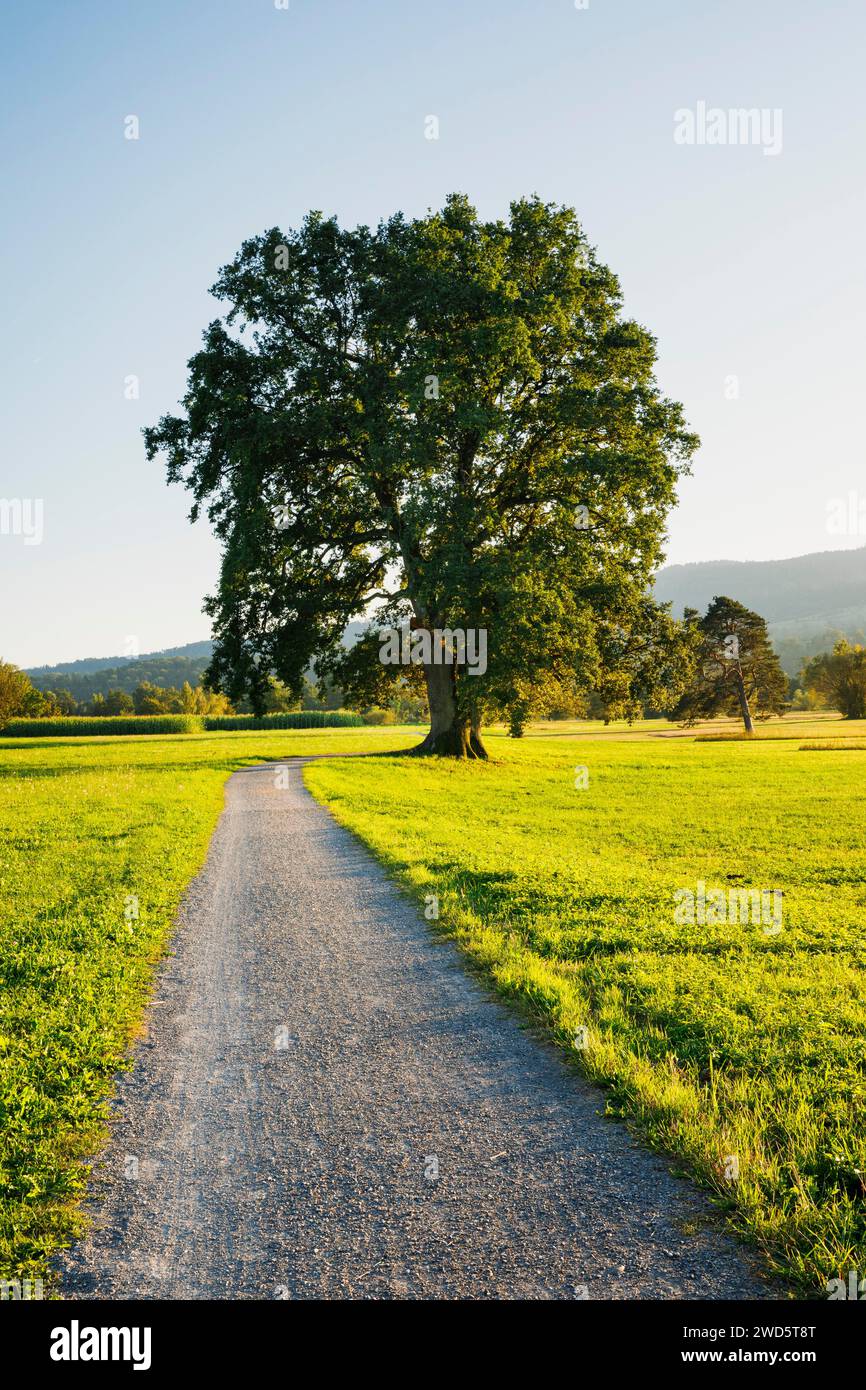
x=445 y=424
x=840 y=678
x=736 y=670
x=16 y=692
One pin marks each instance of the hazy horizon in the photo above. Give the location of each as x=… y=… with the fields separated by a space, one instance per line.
x=193 y=641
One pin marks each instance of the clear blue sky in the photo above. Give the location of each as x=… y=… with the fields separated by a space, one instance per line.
x=742 y=264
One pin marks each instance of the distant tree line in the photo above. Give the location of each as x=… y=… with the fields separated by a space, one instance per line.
x=170 y=673
x=796 y=651
x=20 y=698
x=836 y=680
x=724 y=663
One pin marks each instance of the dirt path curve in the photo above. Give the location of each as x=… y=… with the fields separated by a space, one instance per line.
x=312 y=1056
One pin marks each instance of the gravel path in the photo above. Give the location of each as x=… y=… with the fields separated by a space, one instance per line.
x=314 y=1057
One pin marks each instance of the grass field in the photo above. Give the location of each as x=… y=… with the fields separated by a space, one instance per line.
x=91 y=832
x=739 y=1049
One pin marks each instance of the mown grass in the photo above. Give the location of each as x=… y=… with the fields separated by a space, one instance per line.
x=716 y=1041
x=90 y=830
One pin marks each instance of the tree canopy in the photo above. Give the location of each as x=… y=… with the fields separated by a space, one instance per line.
x=16 y=692
x=442 y=423
x=840 y=678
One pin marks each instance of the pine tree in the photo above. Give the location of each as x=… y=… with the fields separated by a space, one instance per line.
x=736 y=669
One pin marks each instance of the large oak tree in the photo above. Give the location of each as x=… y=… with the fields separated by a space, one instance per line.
x=442 y=422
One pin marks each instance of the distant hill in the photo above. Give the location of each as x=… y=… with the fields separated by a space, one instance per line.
x=86 y=678
x=808 y=601
x=823 y=588
x=89 y=664
x=99 y=674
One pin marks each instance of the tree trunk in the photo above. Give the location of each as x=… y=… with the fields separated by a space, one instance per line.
x=475 y=743
x=450 y=735
x=744 y=704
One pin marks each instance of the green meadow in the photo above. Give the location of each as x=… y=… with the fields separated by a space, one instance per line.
x=98 y=839
x=737 y=1049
